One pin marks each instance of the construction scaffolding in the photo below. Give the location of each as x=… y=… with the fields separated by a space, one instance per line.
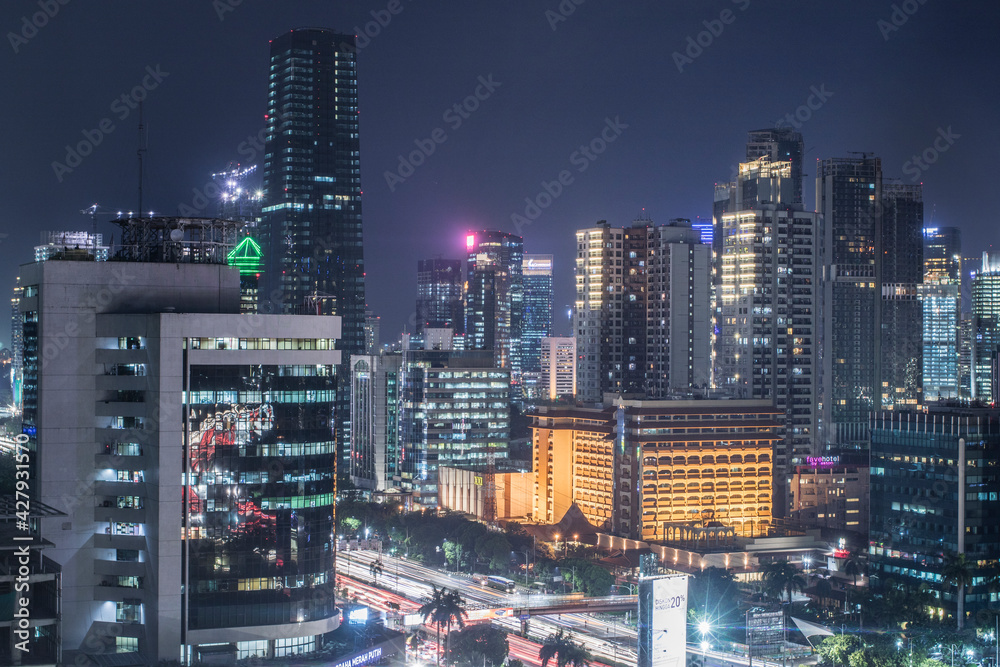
x=175 y=240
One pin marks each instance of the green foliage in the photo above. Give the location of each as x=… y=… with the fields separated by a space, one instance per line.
x=782 y=577
x=587 y=576
x=566 y=652
x=443 y=609
x=475 y=643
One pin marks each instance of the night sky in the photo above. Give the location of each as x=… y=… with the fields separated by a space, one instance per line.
x=558 y=79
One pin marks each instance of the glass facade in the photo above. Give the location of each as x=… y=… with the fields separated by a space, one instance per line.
x=440 y=294
x=916 y=512
x=311 y=229
x=494 y=301
x=454 y=410
x=849 y=194
x=942 y=311
x=537 y=310
x=260 y=495
x=985 y=332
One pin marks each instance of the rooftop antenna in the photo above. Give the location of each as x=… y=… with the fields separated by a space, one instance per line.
x=142 y=149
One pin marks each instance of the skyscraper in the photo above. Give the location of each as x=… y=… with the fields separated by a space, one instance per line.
x=643 y=310
x=537 y=323
x=494 y=297
x=900 y=276
x=440 y=295
x=942 y=311
x=311 y=231
x=985 y=333
x=849 y=195
x=769 y=315
x=374 y=420
x=558 y=368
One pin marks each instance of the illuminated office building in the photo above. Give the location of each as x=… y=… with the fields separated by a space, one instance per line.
x=537 y=320
x=440 y=295
x=942 y=312
x=494 y=298
x=900 y=276
x=454 y=410
x=849 y=195
x=985 y=330
x=247 y=257
x=191 y=448
x=655 y=470
x=311 y=222
x=933 y=493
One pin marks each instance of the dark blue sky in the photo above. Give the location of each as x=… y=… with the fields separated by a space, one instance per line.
x=892 y=91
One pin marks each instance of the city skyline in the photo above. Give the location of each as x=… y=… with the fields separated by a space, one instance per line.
x=204 y=109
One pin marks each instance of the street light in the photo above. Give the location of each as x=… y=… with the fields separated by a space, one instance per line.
x=704 y=627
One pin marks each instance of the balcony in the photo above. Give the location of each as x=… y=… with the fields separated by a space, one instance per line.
x=107 y=591
x=108 y=541
x=120 y=514
x=108 y=569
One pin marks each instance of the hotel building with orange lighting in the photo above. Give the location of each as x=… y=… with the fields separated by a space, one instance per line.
x=658 y=470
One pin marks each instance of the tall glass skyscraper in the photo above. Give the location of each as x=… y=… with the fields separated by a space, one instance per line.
x=942 y=309
x=537 y=270
x=310 y=230
x=985 y=334
x=494 y=297
x=849 y=195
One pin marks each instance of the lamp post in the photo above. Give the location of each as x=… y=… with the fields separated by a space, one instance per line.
x=704 y=628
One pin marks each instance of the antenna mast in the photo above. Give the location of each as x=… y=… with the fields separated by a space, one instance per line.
x=142 y=149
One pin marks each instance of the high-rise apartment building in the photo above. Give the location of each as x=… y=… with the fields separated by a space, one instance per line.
x=454 y=409
x=440 y=293
x=985 y=330
x=16 y=343
x=537 y=321
x=191 y=448
x=373 y=332
x=558 y=368
x=942 y=312
x=494 y=298
x=768 y=312
x=900 y=276
x=656 y=470
x=849 y=195
x=643 y=310
x=375 y=420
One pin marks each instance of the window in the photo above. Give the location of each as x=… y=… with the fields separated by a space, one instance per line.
x=128 y=611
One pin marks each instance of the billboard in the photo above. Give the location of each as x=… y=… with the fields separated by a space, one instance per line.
x=663 y=621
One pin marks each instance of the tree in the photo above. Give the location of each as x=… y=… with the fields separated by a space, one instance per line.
x=957 y=572
x=782 y=576
x=376 y=569
x=564 y=650
x=443 y=609
x=714 y=597
x=477 y=644
x=824 y=591
x=855 y=565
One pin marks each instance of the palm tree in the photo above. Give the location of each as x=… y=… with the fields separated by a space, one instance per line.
x=566 y=652
x=957 y=571
x=782 y=576
x=444 y=608
x=376 y=569
x=855 y=566
x=824 y=591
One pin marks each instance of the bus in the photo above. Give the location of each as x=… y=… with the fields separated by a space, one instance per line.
x=500 y=583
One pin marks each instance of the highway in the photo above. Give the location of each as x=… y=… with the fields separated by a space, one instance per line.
x=413 y=581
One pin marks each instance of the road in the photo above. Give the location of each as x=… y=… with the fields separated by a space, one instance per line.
x=413 y=581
